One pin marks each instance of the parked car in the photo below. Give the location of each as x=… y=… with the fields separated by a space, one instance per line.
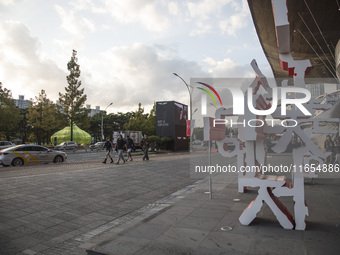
x=97 y=146
x=5 y=144
x=26 y=154
x=67 y=146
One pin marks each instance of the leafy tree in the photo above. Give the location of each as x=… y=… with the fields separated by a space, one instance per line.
x=155 y=142
x=74 y=99
x=142 y=122
x=137 y=121
x=150 y=127
x=44 y=118
x=166 y=142
x=22 y=127
x=112 y=122
x=9 y=113
x=95 y=126
x=120 y=119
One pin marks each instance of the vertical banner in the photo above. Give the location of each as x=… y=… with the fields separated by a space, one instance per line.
x=188 y=128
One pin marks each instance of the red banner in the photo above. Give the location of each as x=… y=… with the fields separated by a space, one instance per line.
x=188 y=128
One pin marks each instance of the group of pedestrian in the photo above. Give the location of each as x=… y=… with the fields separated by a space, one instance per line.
x=334 y=148
x=121 y=144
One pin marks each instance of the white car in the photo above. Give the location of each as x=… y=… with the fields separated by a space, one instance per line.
x=67 y=146
x=97 y=146
x=27 y=154
x=5 y=144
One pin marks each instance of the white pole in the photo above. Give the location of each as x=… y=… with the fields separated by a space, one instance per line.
x=210 y=184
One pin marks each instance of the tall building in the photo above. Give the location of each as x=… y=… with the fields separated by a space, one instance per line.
x=93 y=111
x=22 y=103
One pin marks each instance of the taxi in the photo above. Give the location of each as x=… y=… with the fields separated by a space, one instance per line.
x=27 y=154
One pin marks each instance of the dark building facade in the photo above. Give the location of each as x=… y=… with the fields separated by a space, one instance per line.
x=171 y=120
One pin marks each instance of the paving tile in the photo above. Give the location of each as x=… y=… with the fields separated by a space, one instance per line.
x=180 y=210
x=75 y=203
x=208 y=213
x=183 y=237
x=165 y=248
x=125 y=245
x=167 y=219
x=198 y=223
x=280 y=247
x=228 y=241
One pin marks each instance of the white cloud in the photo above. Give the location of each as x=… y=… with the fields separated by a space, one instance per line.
x=94 y=6
x=202 y=29
x=75 y=24
x=204 y=9
x=228 y=68
x=237 y=21
x=6 y=2
x=173 y=8
x=137 y=74
x=227 y=15
x=114 y=67
x=21 y=66
x=151 y=14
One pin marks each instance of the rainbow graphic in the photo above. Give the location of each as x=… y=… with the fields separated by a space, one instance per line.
x=209 y=93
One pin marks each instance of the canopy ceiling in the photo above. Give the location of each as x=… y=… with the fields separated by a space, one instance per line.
x=314 y=34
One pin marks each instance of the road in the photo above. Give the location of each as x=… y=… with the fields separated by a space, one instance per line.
x=47 y=209
x=88 y=155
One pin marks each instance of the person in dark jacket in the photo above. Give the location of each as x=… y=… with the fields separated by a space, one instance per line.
x=109 y=148
x=120 y=145
x=129 y=146
x=145 y=145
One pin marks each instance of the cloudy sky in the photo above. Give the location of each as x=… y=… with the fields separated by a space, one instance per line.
x=127 y=50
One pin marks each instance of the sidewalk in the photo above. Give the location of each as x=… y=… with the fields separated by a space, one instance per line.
x=189 y=222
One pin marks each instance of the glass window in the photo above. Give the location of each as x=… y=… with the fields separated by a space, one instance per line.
x=25 y=148
x=38 y=148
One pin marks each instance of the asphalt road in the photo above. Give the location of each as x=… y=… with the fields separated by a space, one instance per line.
x=82 y=155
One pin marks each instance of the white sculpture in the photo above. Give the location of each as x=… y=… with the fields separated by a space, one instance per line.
x=250 y=147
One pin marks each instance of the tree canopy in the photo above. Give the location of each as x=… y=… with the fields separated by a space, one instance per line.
x=73 y=100
x=9 y=113
x=44 y=117
x=139 y=121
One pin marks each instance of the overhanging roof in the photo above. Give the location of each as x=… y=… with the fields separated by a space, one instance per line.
x=307 y=19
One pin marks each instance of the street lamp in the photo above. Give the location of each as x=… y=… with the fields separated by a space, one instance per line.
x=102 y=126
x=190 y=89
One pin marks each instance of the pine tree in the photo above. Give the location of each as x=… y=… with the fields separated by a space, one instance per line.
x=74 y=99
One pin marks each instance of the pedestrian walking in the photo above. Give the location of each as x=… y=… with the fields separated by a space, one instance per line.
x=145 y=145
x=109 y=148
x=129 y=146
x=120 y=145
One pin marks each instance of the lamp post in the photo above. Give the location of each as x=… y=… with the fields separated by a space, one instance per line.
x=190 y=89
x=102 y=126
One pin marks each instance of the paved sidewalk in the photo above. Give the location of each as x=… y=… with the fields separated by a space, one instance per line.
x=53 y=209
x=189 y=222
